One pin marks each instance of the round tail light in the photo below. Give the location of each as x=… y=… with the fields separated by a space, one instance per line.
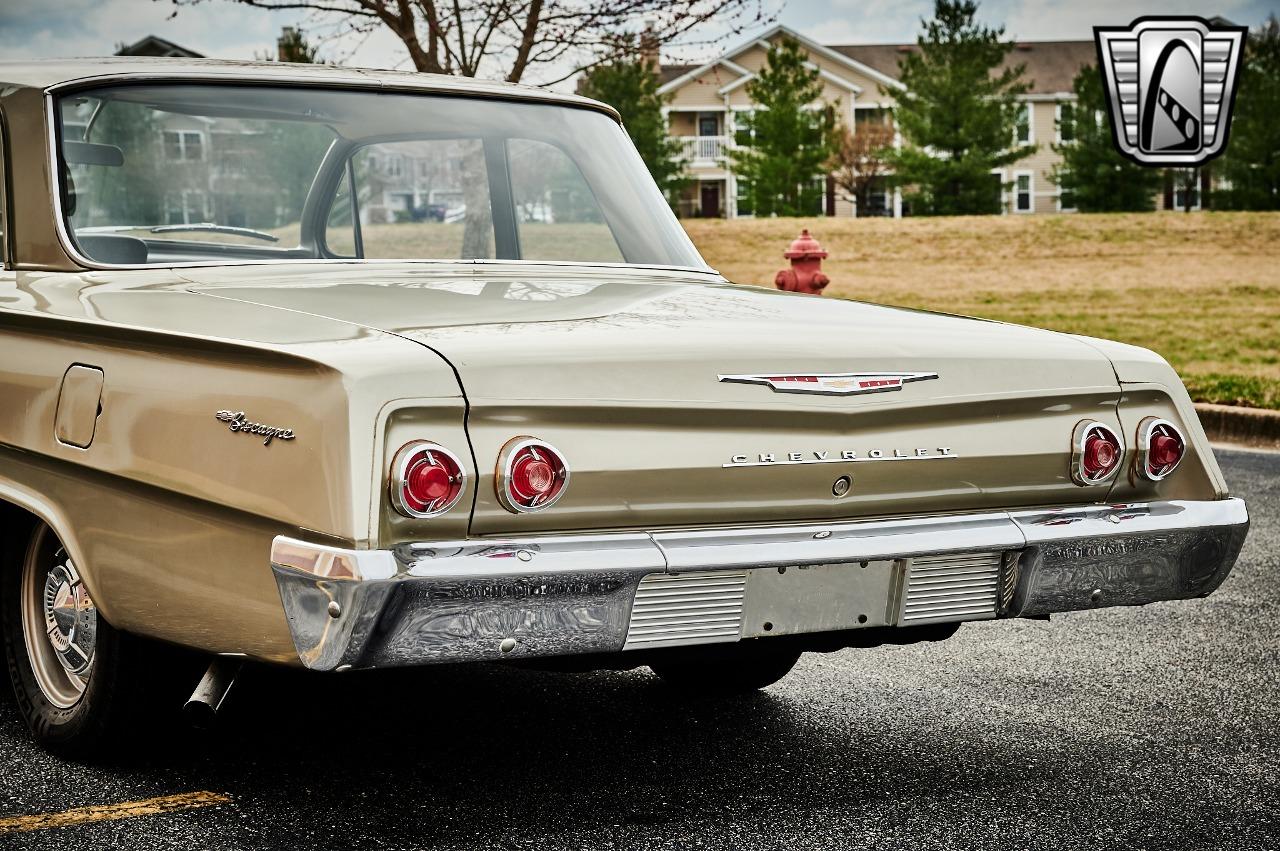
x=531 y=475
x=1096 y=453
x=1160 y=448
x=426 y=479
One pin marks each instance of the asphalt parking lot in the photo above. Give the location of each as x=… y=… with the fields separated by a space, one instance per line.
x=1123 y=728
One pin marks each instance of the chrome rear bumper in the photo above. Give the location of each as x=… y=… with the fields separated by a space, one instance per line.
x=596 y=593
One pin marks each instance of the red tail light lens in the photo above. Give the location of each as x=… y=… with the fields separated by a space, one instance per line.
x=531 y=475
x=426 y=479
x=1096 y=453
x=1160 y=448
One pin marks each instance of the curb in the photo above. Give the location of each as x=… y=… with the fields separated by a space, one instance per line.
x=1245 y=426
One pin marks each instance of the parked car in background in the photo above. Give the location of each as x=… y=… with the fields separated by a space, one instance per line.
x=244 y=415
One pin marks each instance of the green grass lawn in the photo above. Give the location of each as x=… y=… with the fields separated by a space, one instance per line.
x=1202 y=289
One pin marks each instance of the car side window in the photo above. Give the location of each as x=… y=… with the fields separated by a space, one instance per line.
x=416 y=199
x=556 y=212
x=341 y=232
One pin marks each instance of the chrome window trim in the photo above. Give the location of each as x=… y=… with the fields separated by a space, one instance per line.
x=350 y=78
x=505 y=459
x=1146 y=429
x=400 y=467
x=1077 y=453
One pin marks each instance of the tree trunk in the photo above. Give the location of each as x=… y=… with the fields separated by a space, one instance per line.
x=477 y=228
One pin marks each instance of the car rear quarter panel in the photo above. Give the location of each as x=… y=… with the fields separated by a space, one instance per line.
x=168 y=512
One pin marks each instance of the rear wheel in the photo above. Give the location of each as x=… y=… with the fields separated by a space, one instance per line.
x=737 y=669
x=73 y=675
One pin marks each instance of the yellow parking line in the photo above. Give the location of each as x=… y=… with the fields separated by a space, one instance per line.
x=113 y=812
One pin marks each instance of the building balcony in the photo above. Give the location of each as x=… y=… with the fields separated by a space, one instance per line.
x=705 y=149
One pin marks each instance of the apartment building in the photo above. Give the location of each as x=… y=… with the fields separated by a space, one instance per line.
x=861 y=80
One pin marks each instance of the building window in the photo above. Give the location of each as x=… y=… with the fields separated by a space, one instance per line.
x=1066 y=201
x=1023 y=201
x=183 y=145
x=819 y=190
x=1023 y=133
x=997 y=183
x=870 y=117
x=743 y=201
x=1066 y=121
x=708 y=124
x=877 y=199
x=1066 y=197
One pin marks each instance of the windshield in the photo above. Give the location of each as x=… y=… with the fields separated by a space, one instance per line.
x=165 y=174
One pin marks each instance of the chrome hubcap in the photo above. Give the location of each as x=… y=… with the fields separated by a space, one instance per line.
x=59 y=621
x=70 y=619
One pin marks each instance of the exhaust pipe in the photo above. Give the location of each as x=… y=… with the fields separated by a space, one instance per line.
x=203 y=705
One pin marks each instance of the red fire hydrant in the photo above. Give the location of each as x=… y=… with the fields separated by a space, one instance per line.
x=805 y=274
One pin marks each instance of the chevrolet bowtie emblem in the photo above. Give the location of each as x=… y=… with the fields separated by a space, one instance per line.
x=833 y=383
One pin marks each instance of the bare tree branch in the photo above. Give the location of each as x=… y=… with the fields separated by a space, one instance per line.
x=510 y=38
x=860 y=161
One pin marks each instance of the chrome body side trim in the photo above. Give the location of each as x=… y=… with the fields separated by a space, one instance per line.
x=837 y=543
x=578 y=594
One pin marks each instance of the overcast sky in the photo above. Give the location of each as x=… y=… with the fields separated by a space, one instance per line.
x=59 y=28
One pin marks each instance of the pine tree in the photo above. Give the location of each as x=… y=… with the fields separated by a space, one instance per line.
x=784 y=145
x=631 y=87
x=959 y=114
x=1251 y=164
x=1093 y=176
x=293 y=46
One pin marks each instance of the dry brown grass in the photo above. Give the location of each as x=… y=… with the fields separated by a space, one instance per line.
x=409 y=240
x=1201 y=289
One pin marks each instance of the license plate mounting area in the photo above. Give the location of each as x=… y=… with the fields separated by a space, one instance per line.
x=820 y=598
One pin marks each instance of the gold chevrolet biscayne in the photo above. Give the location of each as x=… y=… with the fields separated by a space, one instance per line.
x=349 y=369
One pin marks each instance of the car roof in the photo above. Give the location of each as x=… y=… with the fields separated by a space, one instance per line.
x=47 y=74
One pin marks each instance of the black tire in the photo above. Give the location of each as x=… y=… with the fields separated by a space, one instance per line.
x=739 y=669
x=90 y=724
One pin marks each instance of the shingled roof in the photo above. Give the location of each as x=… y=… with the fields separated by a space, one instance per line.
x=667 y=73
x=1051 y=65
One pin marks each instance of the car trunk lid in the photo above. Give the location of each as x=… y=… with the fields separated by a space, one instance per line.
x=622 y=371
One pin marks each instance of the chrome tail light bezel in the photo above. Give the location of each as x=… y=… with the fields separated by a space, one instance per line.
x=400 y=467
x=1147 y=430
x=1079 y=439
x=510 y=453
